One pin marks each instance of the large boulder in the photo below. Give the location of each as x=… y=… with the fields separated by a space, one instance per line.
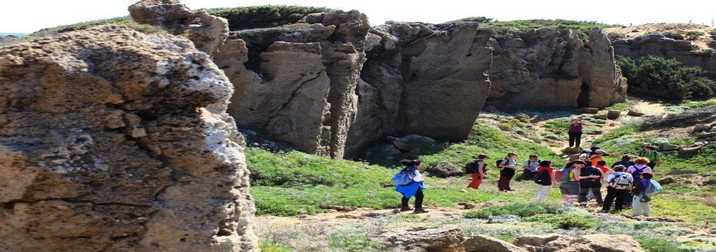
x=419 y=239
x=551 y=68
x=115 y=140
x=446 y=169
x=586 y=243
x=483 y=243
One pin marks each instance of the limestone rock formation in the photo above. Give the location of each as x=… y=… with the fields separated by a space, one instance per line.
x=298 y=84
x=483 y=243
x=660 y=45
x=114 y=140
x=419 y=239
x=550 y=68
x=208 y=32
x=586 y=243
x=422 y=79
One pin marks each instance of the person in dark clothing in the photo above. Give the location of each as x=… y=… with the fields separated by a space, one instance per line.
x=626 y=161
x=575 y=132
x=620 y=183
x=590 y=180
x=507 y=171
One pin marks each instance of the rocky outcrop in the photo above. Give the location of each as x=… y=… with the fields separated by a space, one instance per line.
x=586 y=243
x=422 y=79
x=298 y=84
x=483 y=243
x=114 y=140
x=662 y=46
x=419 y=239
x=208 y=32
x=550 y=68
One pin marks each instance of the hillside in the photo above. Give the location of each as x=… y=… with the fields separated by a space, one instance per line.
x=343 y=199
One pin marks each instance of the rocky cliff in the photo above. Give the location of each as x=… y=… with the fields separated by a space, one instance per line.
x=663 y=40
x=114 y=140
x=331 y=84
x=551 y=68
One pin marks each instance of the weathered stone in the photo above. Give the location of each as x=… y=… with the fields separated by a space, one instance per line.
x=701 y=127
x=667 y=180
x=613 y=114
x=633 y=112
x=572 y=150
x=71 y=183
x=587 y=243
x=445 y=169
x=208 y=32
x=314 y=18
x=600 y=116
x=591 y=110
x=483 y=243
x=550 y=68
x=446 y=238
x=503 y=219
x=668 y=147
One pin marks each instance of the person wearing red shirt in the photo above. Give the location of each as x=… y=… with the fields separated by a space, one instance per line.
x=545 y=179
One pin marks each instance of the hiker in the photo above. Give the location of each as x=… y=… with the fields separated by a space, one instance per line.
x=640 y=202
x=413 y=188
x=545 y=179
x=507 y=171
x=477 y=171
x=652 y=155
x=569 y=184
x=596 y=156
x=626 y=161
x=602 y=166
x=640 y=166
x=529 y=168
x=618 y=187
x=590 y=179
x=575 y=132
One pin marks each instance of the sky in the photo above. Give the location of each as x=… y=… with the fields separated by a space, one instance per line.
x=26 y=16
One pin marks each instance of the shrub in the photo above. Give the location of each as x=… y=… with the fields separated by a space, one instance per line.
x=666 y=78
x=658 y=245
x=692 y=35
x=522 y=210
x=566 y=221
x=512 y=29
x=242 y=18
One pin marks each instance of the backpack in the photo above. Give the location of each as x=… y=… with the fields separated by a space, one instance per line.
x=499 y=162
x=636 y=174
x=404 y=176
x=471 y=167
x=563 y=175
x=653 y=188
x=620 y=182
x=543 y=178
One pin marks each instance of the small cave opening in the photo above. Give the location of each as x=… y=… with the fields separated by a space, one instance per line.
x=583 y=98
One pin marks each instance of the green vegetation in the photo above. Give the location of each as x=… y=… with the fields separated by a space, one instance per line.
x=566 y=221
x=558 y=127
x=694 y=34
x=617 y=133
x=242 y=18
x=700 y=104
x=666 y=78
x=512 y=29
x=270 y=247
x=522 y=210
x=659 y=245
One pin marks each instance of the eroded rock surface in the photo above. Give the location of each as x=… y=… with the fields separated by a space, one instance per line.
x=114 y=140
x=550 y=68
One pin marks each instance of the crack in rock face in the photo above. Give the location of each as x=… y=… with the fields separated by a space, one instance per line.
x=115 y=140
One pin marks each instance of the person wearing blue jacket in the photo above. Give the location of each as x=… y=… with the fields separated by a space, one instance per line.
x=415 y=188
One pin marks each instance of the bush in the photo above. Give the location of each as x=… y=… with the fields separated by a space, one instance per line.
x=692 y=35
x=522 y=210
x=666 y=78
x=242 y=18
x=512 y=29
x=566 y=221
x=658 y=245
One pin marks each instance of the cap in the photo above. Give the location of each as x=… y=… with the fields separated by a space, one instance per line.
x=482 y=155
x=599 y=151
x=533 y=155
x=586 y=151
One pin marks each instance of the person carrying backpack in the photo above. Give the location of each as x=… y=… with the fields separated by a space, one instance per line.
x=413 y=188
x=590 y=179
x=642 y=194
x=507 y=171
x=569 y=184
x=618 y=187
x=640 y=166
x=476 y=169
x=529 y=167
x=626 y=161
x=545 y=180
